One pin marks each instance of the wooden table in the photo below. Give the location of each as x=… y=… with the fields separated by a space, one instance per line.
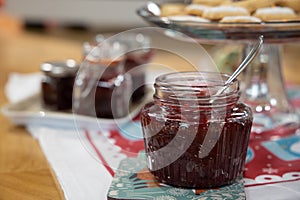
x=24 y=171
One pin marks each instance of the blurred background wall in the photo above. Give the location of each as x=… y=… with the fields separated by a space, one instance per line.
x=96 y=14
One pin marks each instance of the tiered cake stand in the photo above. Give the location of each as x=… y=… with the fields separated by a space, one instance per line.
x=263 y=84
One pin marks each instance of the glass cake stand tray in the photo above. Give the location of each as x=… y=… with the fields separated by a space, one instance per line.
x=263 y=86
x=214 y=32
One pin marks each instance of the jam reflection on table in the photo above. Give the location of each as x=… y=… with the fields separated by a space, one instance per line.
x=57 y=84
x=173 y=125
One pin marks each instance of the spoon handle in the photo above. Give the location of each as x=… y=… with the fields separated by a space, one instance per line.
x=254 y=51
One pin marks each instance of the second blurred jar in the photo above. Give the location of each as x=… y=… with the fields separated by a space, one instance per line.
x=101 y=87
x=138 y=54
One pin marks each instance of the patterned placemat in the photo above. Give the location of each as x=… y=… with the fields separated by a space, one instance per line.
x=132 y=180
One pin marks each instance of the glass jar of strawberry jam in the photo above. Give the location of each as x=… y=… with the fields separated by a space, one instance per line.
x=57 y=84
x=102 y=89
x=138 y=55
x=193 y=137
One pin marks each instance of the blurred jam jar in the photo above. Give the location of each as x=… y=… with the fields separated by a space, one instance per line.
x=138 y=55
x=193 y=137
x=57 y=84
x=102 y=89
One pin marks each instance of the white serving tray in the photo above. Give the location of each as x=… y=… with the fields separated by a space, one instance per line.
x=31 y=112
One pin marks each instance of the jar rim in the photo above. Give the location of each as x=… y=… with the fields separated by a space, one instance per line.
x=196 y=81
x=195 y=89
x=60 y=68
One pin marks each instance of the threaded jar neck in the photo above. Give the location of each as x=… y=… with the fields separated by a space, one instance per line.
x=195 y=90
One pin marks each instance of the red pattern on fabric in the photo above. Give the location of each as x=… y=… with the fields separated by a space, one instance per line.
x=129 y=148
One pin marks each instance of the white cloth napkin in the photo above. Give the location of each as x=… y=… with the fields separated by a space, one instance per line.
x=84 y=160
x=79 y=172
x=21 y=86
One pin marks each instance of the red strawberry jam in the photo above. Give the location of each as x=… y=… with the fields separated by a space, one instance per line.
x=193 y=139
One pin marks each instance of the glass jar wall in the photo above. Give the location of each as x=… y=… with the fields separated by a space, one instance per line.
x=194 y=138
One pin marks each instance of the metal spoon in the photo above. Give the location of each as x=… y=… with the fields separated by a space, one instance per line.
x=153 y=8
x=215 y=129
x=254 y=51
